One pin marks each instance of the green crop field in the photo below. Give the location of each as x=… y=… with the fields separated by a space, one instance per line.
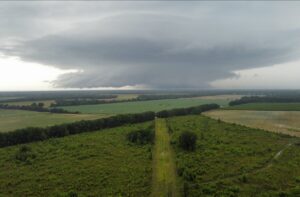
x=267 y=107
x=287 y=122
x=17 y=119
x=100 y=163
x=142 y=106
x=232 y=160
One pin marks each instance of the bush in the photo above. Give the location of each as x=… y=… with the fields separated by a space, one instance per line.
x=24 y=154
x=187 y=140
x=144 y=136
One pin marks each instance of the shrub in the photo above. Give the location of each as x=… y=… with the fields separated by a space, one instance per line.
x=187 y=140
x=24 y=154
x=143 y=136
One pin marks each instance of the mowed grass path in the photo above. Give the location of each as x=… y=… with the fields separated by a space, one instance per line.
x=142 y=106
x=164 y=170
x=287 y=122
x=267 y=107
x=17 y=119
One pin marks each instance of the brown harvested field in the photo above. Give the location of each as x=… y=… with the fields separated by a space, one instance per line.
x=286 y=122
x=228 y=97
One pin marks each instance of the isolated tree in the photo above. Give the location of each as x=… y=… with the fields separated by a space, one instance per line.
x=41 y=105
x=33 y=105
x=187 y=140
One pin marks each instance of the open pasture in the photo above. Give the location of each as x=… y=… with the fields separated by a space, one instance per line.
x=101 y=163
x=267 y=107
x=17 y=119
x=287 y=122
x=232 y=160
x=142 y=106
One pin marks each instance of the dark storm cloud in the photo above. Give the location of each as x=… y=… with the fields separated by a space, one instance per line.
x=159 y=46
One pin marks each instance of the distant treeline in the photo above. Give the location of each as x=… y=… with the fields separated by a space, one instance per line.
x=145 y=97
x=37 y=108
x=73 y=102
x=33 y=134
x=61 y=96
x=186 y=111
x=267 y=99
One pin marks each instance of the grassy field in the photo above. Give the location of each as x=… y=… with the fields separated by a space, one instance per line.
x=232 y=160
x=287 y=122
x=17 y=119
x=164 y=170
x=100 y=163
x=267 y=107
x=142 y=106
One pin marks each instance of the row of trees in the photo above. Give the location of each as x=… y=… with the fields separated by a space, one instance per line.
x=39 y=107
x=33 y=134
x=73 y=102
x=266 y=99
x=186 y=111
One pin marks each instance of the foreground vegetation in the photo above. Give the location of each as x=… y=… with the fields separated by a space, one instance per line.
x=267 y=107
x=90 y=164
x=142 y=106
x=16 y=119
x=287 y=122
x=232 y=160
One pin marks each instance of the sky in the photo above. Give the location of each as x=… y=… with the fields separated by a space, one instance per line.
x=149 y=45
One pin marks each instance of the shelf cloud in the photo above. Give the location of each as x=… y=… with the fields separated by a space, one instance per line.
x=151 y=44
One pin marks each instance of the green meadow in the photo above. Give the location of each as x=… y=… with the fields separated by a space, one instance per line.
x=142 y=106
x=16 y=119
